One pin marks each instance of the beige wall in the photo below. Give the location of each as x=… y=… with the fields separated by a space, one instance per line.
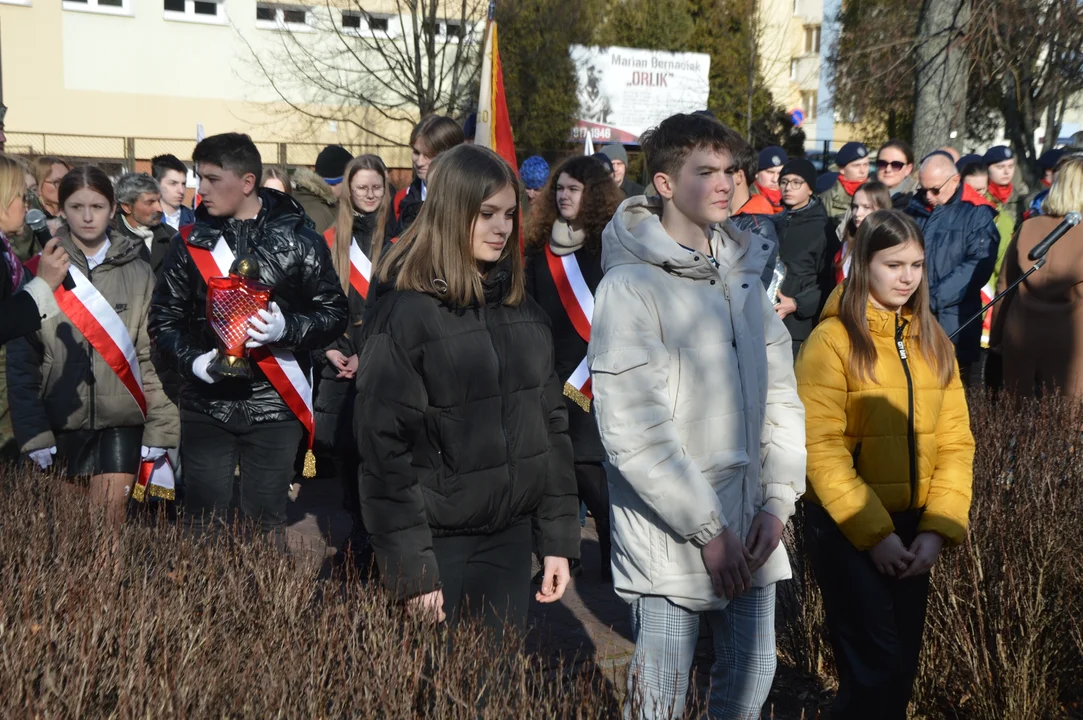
x=143 y=76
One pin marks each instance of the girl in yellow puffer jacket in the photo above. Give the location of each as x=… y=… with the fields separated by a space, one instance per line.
x=890 y=463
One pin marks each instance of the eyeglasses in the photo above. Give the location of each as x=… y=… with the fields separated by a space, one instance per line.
x=54 y=182
x=783 y=184
x=935 y=192
x=365 y=191
x=895 y=165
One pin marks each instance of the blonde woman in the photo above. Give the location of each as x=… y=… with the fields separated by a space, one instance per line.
x=48 y=171
x=357 y=239
x=1038 y=329
x=462 y=426
x=890 y=463
x=23 y=312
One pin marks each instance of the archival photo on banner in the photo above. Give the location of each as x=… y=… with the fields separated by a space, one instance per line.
x=624 y=91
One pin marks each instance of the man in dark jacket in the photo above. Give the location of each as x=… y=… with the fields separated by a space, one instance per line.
x=259 y=421
x=961 y=242
x=140 y=217
x=172 y=177
x=807 y=242
x=618 y=158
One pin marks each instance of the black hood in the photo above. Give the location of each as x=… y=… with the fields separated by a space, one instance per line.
x=814 y=211
x=279 y=210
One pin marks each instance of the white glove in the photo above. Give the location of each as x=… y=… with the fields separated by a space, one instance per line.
x=200 y=365
x=267 y=327
x=43 y=457
x=152 y=453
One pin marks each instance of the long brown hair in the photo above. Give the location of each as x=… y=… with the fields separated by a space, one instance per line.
x=340 y=251
x=601 y=196
x=435 y=256
x=881 y=230
x=880 y=198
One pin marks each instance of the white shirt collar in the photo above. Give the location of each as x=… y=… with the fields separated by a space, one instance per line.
x=98 y=258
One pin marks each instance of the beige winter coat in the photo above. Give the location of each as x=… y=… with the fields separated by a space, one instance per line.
x=48 y=372
x=696 y=402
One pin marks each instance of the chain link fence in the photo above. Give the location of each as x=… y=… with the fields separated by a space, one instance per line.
x=135 y=153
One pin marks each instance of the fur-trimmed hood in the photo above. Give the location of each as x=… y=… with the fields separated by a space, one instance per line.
x=308 y=181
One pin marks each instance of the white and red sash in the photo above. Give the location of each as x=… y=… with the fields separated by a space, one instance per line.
x=156 y=479
x=578 y=302
x=278 y=365
x=89 y=311
x=360 y=266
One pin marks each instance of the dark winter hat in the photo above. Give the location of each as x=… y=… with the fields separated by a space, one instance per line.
x=825 y=181
x=534 y=172
x=470 y=126
x=772 y=156
x=331 y=163
x=850 y=152
x=1049 y=159
x=604 y=160
x=971 y=159
x=802 y=168
x=998 y=154
x=616 y=152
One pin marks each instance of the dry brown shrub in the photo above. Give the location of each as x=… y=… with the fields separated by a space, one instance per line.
x=179 y=628
x=1004 y=637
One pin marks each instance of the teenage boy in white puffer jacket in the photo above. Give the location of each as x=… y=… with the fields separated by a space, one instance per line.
x=698 y=410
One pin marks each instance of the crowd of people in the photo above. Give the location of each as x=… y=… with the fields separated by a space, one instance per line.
x=476 y=355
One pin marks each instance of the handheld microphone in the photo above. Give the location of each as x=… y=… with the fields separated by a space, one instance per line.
x=36 y=220
x=1070 y=221
x=40 y=227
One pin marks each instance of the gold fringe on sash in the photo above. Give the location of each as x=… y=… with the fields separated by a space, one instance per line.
x=309 y=470
x=577 y=397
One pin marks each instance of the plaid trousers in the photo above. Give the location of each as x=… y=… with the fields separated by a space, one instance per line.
x=744 y=666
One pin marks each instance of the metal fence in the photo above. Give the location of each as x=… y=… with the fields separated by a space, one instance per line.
x=134 y=153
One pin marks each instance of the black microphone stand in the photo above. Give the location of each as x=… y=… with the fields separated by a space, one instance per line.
x=1040 y=263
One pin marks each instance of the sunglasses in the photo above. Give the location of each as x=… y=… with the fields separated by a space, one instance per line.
x=935 y=192
x=895 y=165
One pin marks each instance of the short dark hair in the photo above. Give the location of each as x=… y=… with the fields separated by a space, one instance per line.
x=667 y=146
x=230 y=151
x=900 y=145
x=747 y=161
x=86 y=176
x=162 y=164
x=973 y=169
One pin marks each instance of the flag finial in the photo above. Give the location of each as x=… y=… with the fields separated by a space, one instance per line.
x=492 y=9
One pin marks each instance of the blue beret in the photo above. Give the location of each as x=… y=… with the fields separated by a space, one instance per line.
x=998 y=154
x=850 y=152
x=1050 y=158
x=971 y=159
x=534 y=172
x=772 y=156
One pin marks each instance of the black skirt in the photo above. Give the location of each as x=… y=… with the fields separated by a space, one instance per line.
x=99 y=452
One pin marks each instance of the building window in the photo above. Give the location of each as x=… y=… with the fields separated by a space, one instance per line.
x=809 y=100
x=362 y=23
x=205 y=11
x=271 y=16
x=793 y=70
x=111 y=7
x=24 y=3
x=812 y=39
x=294 y=16
x=351 y=20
